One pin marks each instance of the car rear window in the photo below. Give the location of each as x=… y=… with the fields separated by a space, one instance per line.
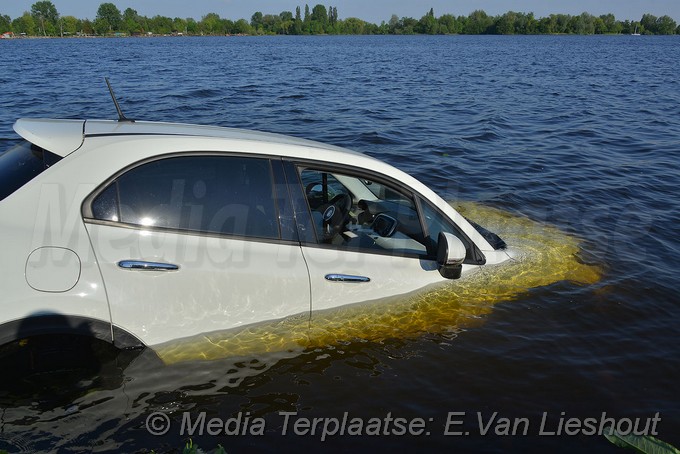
x=20 y=164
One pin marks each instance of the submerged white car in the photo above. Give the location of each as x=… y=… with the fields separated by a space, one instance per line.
x=140 y=233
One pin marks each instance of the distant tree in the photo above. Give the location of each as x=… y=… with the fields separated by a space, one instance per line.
x=408 y=25
x=648 y=24
x=297 y=26
x=600 y=27
x=242 y=27
x=478 y=23
x=101 y=26
x=211 y=24
x=546 y=25
x=665 y=26
x=5 y=23
x=24 y=24
x=448 y=24
x=562 y=23
x=286 y=22
x=70 y=25
x=161 y=25
x=228 y=27
x=319 y=13
x=609 y=24
x=130 y=14
x=526 y=23
x=256 y=20
x=192 y=26
x=393 y=24
x=110 y=14
x=87 y=27
x=132 y=21
x=505 y=24
x=382 y=29
x=319 y=19
x=427 y=24
x=616 y=27
x=272 y=25
x=332 y=15
x=45 y=15
x=583 y=24
x=286 y=16
x=353 y=26
x=179 y=25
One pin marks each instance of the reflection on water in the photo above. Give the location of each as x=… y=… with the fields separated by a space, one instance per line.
x=545 y=255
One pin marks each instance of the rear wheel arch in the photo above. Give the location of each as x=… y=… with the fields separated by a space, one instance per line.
x=45 y=324
x=54 y=359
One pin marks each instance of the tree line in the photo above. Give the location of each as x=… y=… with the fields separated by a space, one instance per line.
x=45 y=20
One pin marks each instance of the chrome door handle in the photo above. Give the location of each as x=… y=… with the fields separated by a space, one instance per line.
x=147 y=266
x=346 y=278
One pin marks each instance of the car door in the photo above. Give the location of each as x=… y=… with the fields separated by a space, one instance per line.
x=196 y=244
x=368 y=239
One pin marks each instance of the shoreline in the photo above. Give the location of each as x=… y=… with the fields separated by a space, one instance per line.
x=242 y=35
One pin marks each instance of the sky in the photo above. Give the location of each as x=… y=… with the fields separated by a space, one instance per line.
x=374 y=11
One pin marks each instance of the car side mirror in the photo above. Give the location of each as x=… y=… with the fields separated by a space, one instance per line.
x=450 y=255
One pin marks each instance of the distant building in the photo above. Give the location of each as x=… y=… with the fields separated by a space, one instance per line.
x=7 y=35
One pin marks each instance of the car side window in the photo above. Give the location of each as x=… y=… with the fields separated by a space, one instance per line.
x=213 y=194
x=436 y=222
x=351 y=212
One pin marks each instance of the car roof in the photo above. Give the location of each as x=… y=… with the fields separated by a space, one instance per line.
x=63 y=137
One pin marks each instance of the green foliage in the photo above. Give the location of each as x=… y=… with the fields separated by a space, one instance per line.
x=108 y=14
x=240 y=27
x=449 y=24
x=644 y=444
x=608 y=24
x=256 y=20
x=101 y=26
x=44 y=20
x=24 y=24
x=583 y=24
x=70 y=25
x=428 y=24
x=478 y=23
x=513 y=23
x=648 y=24
x=665 y=26
x=5 y=23
x=87 y=27
x=45 y=15
x=161 y=25
x=132 y=22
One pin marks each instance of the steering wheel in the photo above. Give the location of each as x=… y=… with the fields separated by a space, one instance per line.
x=335 y=215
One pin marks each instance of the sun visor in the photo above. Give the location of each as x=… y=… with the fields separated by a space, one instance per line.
x=60 y=137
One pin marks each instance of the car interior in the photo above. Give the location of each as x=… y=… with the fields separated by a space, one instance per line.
x=355 y=213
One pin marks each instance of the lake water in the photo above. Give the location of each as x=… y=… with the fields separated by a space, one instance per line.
x=579 y=134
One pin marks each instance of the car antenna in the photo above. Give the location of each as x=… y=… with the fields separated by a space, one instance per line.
x=121 y=115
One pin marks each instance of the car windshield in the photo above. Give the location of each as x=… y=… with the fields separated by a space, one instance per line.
x=20 y=164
